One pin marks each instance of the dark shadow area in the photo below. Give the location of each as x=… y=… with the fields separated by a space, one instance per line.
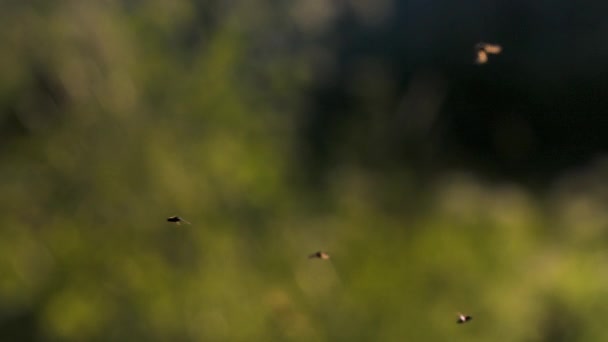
x=532 y=112
x=20 y=327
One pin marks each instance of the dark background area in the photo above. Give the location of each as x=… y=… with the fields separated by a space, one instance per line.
x=532 y=112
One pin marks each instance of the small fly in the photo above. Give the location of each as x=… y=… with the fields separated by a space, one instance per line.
x=463 y=318
x=483 y=49
x=319 y=255
x=177 y=220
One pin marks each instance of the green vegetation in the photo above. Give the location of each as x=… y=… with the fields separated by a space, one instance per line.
x=118 y=114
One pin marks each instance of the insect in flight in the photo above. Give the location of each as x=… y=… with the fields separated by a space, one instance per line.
x=484 y=49
x=177 y=220
x=319 y=255
x=463 y=318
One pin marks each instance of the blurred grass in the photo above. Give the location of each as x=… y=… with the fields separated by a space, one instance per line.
x=117 y=123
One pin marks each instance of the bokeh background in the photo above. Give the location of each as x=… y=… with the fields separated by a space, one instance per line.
x=279 y=128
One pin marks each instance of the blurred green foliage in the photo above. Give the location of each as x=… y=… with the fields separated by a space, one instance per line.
x=118 y=114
